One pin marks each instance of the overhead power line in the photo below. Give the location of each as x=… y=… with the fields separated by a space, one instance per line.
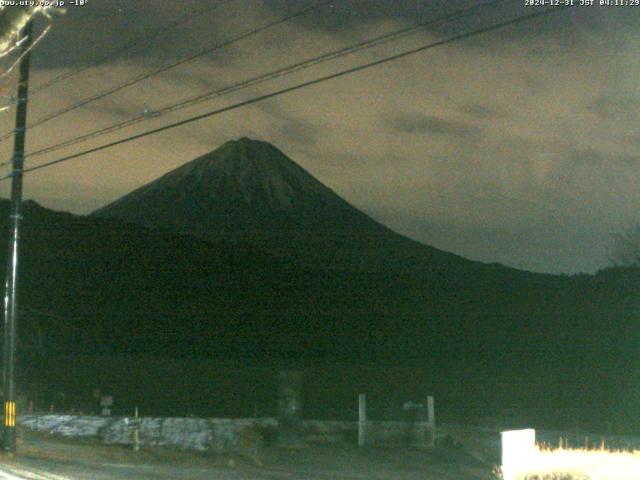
x=289 y=69
x=145 y=41
x=164 y=68
x=300 y=86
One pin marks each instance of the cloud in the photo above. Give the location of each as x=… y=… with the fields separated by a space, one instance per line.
x=481 y=112
x=587 y=156
x=290 y=128
x=628 y=160
x=625 y=108
x=431 y=125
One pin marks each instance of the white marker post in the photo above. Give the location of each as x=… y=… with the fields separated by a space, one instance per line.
x=518 y=452
x=431 y=420
x=136 y=432
x=362 y=420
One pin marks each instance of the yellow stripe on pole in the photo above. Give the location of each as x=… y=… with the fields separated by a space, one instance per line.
x=10 y=414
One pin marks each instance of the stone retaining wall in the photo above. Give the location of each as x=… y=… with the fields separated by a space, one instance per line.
x=217 y=435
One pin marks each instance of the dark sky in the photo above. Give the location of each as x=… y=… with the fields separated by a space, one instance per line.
x=518 y=146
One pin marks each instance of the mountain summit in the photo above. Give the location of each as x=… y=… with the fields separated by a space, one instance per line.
x=243 y=180
x=249 y=191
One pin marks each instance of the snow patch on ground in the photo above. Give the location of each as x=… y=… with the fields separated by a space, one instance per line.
x=200 y=434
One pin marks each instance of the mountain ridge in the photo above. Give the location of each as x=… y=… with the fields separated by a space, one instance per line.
x=248 y=190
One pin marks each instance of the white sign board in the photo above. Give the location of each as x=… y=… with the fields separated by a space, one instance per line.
x=518 y=451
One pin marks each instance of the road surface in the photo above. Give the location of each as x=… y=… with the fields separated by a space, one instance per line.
x=42 y=457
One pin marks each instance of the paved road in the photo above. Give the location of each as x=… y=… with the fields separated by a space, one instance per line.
x=43 y=457
x=30 y=470
x=378 y=465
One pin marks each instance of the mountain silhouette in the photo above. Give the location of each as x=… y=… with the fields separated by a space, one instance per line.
x=250 y=191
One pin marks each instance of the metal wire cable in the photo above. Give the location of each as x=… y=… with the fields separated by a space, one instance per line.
x=164 y=68
x=300 y=86
x=374 y=42
x=145 y=41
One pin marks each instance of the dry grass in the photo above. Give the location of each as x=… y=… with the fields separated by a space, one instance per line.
x=579 y=464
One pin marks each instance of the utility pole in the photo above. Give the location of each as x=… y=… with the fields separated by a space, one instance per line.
x=11 y=284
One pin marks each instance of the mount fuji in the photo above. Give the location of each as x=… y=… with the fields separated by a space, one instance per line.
x=249 y=191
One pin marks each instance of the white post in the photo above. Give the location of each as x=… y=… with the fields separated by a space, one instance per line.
x=518 y=452
x=431 y=420
x=362 y=420
x=136 y=434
